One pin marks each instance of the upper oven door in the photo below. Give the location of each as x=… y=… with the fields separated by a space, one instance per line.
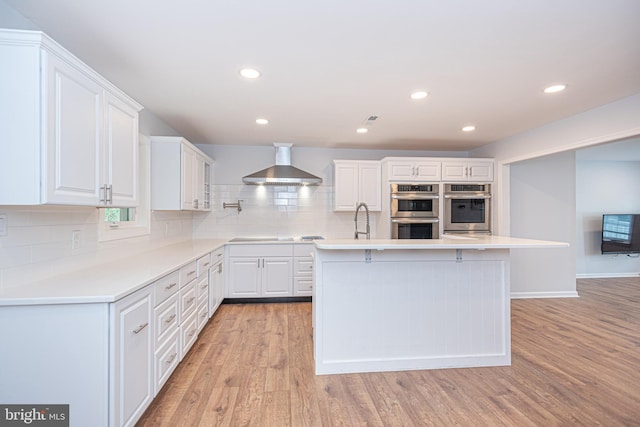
x=470 y=213
x=414 y=206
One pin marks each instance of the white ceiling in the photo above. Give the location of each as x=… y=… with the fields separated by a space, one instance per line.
x=328 y=65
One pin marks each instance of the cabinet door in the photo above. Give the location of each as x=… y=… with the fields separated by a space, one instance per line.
x=121 y=151
x=132 y=374
x=428 y=171
x=454 y=171
x=244 y=277
x=188 y=181
x=73 y=136
x=400 y=171
x=346 y=186
x=277 y=276
x=481 y=171
x=216 y=288
x=369 y=177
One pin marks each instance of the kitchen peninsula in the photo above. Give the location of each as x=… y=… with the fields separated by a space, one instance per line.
x=388 y=305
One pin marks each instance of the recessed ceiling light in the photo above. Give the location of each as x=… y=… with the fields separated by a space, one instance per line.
x=262 y=121
x=469 y=128
x=419 y=95
x=555 y=88
x=250 y=73
x=362 y=130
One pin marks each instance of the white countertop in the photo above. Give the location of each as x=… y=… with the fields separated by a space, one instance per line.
x=446 y=242
x=111 y=281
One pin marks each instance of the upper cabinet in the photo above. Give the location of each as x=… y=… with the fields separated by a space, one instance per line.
x=69 y=136
x=467 y=170
x=180 y=175
x=413 y=170
x=357 y=181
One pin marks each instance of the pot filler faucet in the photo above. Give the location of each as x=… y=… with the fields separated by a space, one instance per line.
x=355 y=219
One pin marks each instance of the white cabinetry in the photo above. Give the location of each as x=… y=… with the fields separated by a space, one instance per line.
x=216 y=281
x=413 y=170
x=257 y=271
x=467 y=170
x=180 y=175
x=132 y=341
x=73 y=135
x=357 y=181
x=302 y=270
x=187 y=300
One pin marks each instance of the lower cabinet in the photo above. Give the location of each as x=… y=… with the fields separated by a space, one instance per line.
x=216 y=281
x=132 y=338
x=302 y=270
x=257 y=271
x=106 y=360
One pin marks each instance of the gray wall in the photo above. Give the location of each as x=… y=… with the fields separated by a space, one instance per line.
x=543 y=207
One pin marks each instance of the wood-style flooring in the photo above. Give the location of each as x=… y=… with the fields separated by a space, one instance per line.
x=576 y=361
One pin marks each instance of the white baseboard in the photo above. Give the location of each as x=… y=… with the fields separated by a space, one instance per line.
x=605 y=275
x=527 y=295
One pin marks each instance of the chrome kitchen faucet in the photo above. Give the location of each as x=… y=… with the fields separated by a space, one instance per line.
x=368 y=229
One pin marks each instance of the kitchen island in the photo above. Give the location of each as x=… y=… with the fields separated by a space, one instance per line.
x=389 y=305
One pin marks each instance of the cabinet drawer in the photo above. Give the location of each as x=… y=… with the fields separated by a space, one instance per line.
x=188 y=300
x=188 y=273
x=188 y=333
x=203 y=315
x=217 y=256
x=202 y=288
x=166 y=318
x=203 y=264
x=302 y=266
x=248 y=250
x=166 y=286
x=303 y=286
x=166 y=359
x=303 y=250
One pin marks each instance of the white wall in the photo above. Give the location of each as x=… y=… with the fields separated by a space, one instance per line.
x=542 y=205
x=604 y=187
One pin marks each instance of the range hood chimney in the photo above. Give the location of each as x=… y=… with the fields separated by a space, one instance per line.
x=282 y=173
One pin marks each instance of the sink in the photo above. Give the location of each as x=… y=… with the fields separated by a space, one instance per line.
x=261 y=239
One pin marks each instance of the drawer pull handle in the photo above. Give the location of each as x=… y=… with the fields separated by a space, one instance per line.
x=206 y=264
x=192 y=299
x=140 y=328
x=170 y=319
x=191 y=273
x=204 y=286
x=172 y=358
x=171 y=285
x=192 y=333
x=204 y=314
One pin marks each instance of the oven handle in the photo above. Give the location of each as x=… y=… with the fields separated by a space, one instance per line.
x=414 y=196
x=415 y=221
x=466 y=196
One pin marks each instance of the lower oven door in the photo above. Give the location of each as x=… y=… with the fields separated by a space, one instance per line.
x=402 y=228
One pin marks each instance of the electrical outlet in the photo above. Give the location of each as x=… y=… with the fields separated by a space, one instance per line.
x=3 y=225
x=75 y=239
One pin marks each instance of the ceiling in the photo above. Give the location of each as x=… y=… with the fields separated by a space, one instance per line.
x=328 y=65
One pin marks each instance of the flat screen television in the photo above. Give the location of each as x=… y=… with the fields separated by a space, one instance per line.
x=620 y=234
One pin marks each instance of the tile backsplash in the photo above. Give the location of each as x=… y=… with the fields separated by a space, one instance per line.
x=38 y=243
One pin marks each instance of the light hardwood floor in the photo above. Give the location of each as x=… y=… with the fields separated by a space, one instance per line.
x=575 y=361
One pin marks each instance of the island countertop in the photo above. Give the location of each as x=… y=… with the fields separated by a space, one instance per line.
x=446 y=242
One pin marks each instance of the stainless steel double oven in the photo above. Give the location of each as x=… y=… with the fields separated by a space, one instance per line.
x=414 y=211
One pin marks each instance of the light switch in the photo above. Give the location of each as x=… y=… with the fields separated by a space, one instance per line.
x=3 y=225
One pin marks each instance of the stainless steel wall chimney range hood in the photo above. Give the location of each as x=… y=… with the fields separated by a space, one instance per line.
x=282 y=173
